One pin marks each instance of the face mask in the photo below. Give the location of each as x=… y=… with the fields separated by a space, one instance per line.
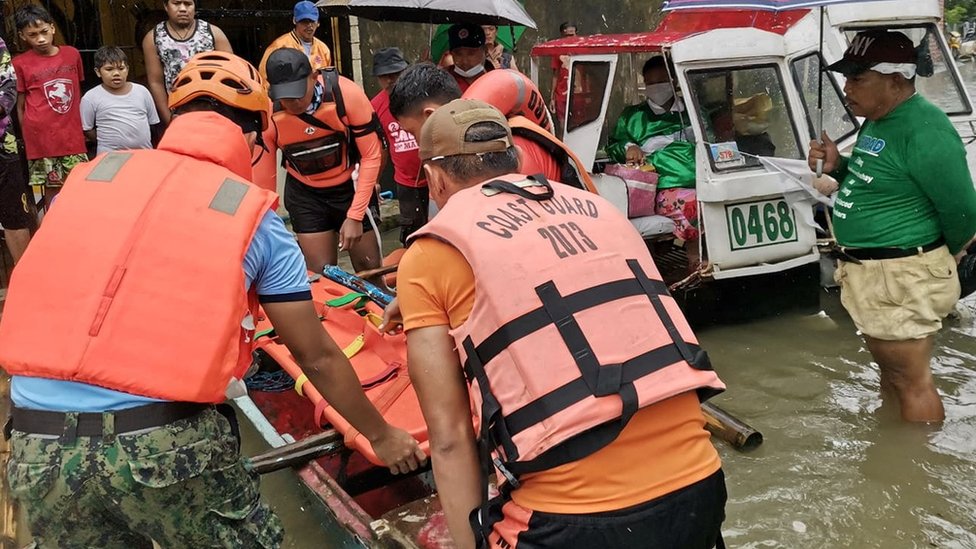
x=470 y=73
x=659 y=94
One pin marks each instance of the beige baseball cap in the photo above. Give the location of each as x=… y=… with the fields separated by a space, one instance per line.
x=443 y=132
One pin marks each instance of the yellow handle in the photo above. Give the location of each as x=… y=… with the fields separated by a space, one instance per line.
x=354 y=347
x=298 y=384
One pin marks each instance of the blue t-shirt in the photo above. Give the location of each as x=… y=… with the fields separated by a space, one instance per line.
x=273 y=263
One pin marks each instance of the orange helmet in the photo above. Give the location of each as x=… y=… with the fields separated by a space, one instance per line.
x=225 y=78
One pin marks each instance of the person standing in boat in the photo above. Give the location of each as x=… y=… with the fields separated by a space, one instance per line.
x=906 y=205
x=172 y=43
x=576 y=375
x=118 y=432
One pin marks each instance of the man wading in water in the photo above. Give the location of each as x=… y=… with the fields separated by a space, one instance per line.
x=906 y=205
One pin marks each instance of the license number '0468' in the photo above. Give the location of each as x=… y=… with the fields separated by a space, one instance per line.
x=567 y=239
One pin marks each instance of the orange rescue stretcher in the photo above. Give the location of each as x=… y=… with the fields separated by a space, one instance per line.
x=380 y=361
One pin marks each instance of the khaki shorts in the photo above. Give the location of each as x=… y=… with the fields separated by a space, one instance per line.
x=900 y=299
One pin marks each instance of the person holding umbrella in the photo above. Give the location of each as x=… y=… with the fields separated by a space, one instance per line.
x=906 y=206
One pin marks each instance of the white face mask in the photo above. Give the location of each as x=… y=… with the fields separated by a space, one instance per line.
x=470 y=73
x=658 y=95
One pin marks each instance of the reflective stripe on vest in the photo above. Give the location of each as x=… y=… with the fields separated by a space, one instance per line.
x=593 y=334
x=513 y=93
x=154 y=302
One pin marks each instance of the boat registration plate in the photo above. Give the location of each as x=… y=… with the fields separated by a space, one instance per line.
x=759 y=224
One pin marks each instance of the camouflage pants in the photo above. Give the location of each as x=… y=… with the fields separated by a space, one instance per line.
x=183 y=485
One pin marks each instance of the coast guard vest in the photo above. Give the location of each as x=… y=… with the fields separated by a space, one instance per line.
x=135 y=282
x=572 y=329
x=319 y=149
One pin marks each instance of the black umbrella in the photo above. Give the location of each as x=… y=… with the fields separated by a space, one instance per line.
x=479 y=12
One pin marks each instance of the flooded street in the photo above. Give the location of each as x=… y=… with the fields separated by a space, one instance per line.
x=838 y=468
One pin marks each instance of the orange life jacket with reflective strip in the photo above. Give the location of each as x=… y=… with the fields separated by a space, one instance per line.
x=135 y=283
x=573 y=172
x=319 y=149
x=572 y=329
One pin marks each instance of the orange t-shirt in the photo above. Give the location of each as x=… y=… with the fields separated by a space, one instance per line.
x=664 y=447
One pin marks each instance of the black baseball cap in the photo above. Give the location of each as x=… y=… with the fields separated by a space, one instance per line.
x=465 y=35
x=871 y=47
x=388 y=61
x=288 y=71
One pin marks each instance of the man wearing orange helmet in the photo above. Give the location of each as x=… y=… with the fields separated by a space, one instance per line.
x=118 y=434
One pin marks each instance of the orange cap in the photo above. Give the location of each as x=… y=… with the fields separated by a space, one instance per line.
x=225 y=78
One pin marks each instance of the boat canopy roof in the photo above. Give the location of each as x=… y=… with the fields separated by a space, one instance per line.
x=676 y=27
x=888 y=12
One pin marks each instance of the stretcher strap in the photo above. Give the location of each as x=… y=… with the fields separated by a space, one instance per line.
x=298 y=384
x=388 y=395
x=350 y=351
x=358 y=299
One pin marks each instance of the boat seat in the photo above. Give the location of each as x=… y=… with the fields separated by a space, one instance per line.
x=614 y=190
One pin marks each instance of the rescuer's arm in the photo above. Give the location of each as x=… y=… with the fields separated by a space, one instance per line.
x=361 y=115
x=275 y=269
x=436 y=290
x=435 y=371
x=331 y=374
x=154 y=78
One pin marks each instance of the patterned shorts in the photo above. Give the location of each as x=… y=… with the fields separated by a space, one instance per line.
x=681 y=206
x=52 y=172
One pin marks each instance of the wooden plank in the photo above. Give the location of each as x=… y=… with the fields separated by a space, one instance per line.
x=8 y=509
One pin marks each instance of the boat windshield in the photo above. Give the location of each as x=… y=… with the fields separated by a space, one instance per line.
x=935 y=81
x=838 y=121
x=743 y=113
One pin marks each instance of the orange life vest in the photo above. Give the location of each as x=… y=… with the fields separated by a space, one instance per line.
x=573 y=172
x=572 y=329
x=319 y=149
x=135 y=283
x=513 y=93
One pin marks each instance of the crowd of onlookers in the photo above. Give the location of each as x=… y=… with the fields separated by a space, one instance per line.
x=59 y=125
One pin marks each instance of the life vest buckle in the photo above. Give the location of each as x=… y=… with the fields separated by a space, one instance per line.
x=509 y=477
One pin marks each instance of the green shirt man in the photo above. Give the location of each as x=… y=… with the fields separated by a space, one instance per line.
x=907 y=183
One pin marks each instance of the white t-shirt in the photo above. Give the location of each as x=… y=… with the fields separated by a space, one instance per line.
x=121 y=121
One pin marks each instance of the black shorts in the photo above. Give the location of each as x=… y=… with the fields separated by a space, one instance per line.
x=414 y=203
x=320 y=210
x=690 y=518
x=15 y=195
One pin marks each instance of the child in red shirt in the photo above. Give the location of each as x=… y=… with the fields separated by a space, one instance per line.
x=49 y=92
